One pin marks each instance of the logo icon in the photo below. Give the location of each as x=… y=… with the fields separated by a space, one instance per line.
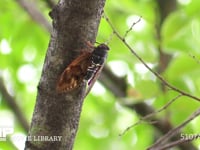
x=4 y=131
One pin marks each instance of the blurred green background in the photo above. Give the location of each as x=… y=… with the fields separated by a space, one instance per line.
x=167 y=38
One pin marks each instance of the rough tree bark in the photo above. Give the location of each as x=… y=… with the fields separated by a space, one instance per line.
x=74 y=22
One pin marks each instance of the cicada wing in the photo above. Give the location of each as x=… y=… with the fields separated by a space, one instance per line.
x=74 y=74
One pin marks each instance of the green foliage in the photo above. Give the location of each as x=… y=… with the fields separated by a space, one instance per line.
x=23 y=44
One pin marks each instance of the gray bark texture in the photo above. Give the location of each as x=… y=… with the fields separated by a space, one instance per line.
x=74 y=22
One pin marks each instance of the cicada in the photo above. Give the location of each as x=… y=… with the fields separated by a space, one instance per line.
x=85 y=68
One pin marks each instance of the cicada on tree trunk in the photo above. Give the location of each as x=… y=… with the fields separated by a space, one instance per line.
x=85 y=68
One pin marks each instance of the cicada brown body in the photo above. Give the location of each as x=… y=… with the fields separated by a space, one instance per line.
x=85 y=68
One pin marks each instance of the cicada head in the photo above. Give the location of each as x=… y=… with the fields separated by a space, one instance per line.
x=103 y=47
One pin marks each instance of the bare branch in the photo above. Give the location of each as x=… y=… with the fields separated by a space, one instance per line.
x=149 y=68
x=14 y=106
x=35 y=13
x=174 y=131
x=110 y=81
x=133 y=24
x=178 y=142
x=145 y=118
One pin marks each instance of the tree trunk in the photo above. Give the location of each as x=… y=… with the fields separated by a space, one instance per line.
x=56 y=116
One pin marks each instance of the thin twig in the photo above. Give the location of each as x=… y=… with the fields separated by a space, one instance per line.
x=151 y=115
x=133 y=24
x=149 y=68
x=137 y=123
x=174 y=131
x=177 y=142
x=163 y=108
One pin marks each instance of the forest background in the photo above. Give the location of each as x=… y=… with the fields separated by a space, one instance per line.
x=165 y=34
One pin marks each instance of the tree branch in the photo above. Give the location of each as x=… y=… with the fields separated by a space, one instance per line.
x=149 y=68
x=35 y=13
x=151 y=113
x=14 y=106
x=159 y=143
x=177 y=142
x=109 y=80
x=142 y=108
